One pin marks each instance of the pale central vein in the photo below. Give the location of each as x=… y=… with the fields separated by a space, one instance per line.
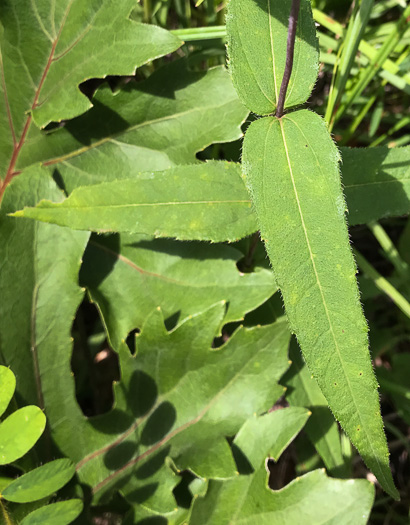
x=137 y=205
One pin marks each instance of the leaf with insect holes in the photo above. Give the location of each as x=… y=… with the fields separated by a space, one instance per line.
x=257 y=35
x=291 y=170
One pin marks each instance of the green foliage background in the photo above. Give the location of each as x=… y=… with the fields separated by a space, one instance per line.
x=139 y=312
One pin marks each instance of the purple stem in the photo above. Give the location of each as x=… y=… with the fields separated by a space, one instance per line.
x=293 y=23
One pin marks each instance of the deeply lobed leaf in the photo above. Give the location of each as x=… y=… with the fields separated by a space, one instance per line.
x=130 y=275
x=65 y=43
x=311 y=499
x=152 y=419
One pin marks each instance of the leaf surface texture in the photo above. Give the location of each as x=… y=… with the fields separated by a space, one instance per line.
x=291 y=169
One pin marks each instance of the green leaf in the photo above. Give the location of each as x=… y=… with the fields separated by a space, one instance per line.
x=257 y=34
x=201 y=202
x=147 y=126
x=376 y=182
x=312 y=499
x=40 y=482
x=269 y=435
x=19 y=432
x=128 y=276
x=4 y=481
x=73 y=41
x=40 y=294
x=321 y=428
x=127 y=448
x=292 y=174
x=7 y=387
x=60 y=513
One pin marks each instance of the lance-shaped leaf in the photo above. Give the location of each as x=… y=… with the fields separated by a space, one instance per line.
x=312 y=499
x=257 y=34
x=376 y=186
x=322 y=429
x=128 y=276
x=199 y=202
x=152 y=419
x=376 y=182
x=49 y=48
x=291 y=167
x=146 y=126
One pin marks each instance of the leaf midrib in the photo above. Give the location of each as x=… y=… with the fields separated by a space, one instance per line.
x=137 y=205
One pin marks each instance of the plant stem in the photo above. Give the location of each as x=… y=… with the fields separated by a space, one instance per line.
x=5 y=514
x=293 y=22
